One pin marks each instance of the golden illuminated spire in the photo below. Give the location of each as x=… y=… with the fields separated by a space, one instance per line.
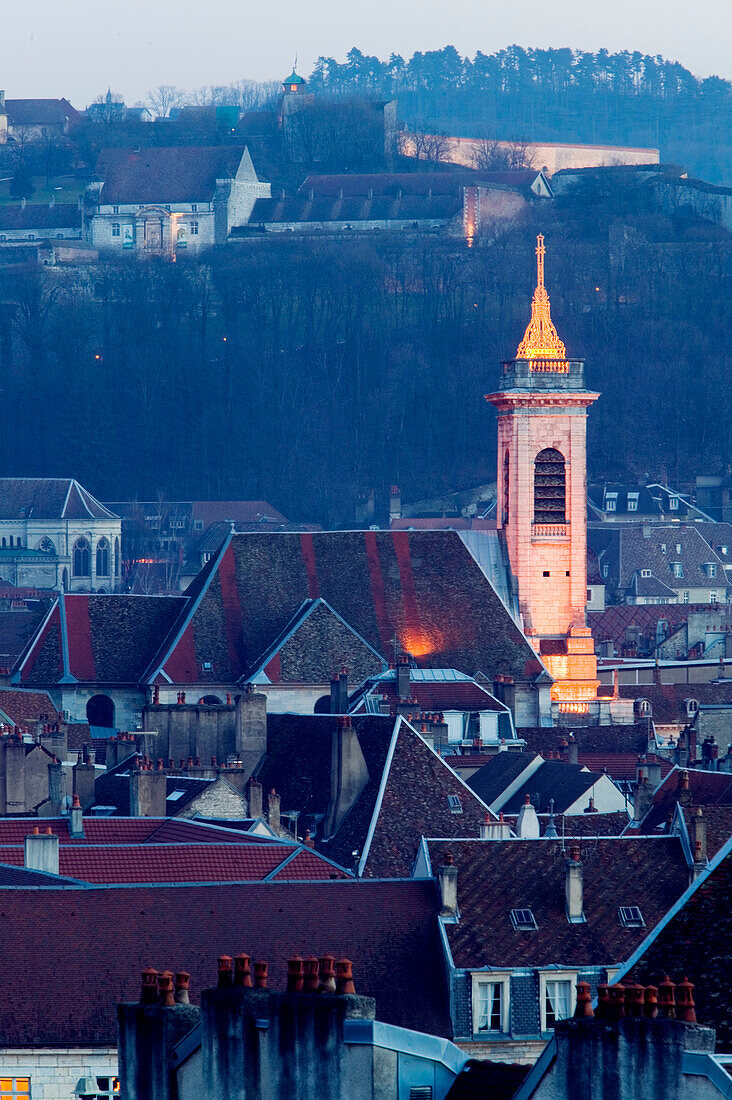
x=540 y=339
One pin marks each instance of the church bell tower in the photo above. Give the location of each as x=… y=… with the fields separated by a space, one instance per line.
x=542 y=406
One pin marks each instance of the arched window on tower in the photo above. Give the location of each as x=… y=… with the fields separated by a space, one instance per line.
x=549 y=487
x=504 y=518
x=103 y=558
x=82 y=558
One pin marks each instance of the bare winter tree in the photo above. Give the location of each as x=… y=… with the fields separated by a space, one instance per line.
x=108 y=108
x=490 y=155
x=424 y=144
x=165 y=96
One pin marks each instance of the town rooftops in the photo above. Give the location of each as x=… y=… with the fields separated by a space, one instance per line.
x=614 y=623
x=432 y=689
x=495 y=877
x=692 y=789
x=98 y=638
x=388 y=930
x=40 y=498
x=678 y=555
x=507 y=780
x=674 y=704
x=402 y=184
x=630 y=738
x=423 y=588
x=166 y=175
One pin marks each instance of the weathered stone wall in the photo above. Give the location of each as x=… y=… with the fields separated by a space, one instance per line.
x=54 y=1073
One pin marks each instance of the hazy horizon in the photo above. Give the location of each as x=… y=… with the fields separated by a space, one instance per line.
x=161 y=42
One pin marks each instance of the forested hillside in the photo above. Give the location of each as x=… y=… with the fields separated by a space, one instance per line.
x=553 y=95
x=307 y=371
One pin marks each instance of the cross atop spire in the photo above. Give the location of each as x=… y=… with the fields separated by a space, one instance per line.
x=540 y=339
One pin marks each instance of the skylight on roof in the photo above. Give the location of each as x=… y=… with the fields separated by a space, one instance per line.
x=453 y=801
x=523 y=920
x=174 y=796
x=630 y=916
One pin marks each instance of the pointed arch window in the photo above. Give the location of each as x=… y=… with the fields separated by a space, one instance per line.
x=550 y=490
x=103 y=558
x=82 y=558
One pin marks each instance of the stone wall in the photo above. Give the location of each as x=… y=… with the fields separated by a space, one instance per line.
x=54 y=1073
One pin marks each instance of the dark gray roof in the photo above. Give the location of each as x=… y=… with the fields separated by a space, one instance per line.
x=48 y=498
x=627 y=550
x=36 y=215
x=165 y=175
x=492 y=779
x=563 y=782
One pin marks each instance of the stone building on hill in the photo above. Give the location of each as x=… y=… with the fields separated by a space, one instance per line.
x=55 y=534
x=171 y=200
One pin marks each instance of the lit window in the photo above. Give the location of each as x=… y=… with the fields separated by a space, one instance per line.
x=453 y=801
x=17 y=1088
x=523 y=920
x=692 y=706
x=678 y=547
x=489 y=1005
x=194 y=229
x=557 y=1001
x=630 y=916
x=116 y=229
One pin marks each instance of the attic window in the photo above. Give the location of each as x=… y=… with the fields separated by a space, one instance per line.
x=174 y=796
x=663 y=547
x=673 y=504
x=645 y=572
x=630 y=916
x=523 y=920
x=207 y=666
x=453 y=801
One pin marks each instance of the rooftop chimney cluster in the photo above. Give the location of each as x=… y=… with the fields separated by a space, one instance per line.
x=616 y=1002
x=313 y=974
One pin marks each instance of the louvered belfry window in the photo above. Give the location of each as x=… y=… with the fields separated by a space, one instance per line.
x=549 y=487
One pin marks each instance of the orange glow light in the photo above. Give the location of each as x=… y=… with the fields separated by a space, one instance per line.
x=540 y=339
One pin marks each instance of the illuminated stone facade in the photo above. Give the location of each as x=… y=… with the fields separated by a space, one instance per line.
x=542 y=496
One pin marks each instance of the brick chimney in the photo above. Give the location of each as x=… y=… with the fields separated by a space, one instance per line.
x=84 y=776
x=41 y=851
x=348 y=773
x=256 y=804
x=573 y=749
x=273 y=811
x=447 y=884
x=573 y=889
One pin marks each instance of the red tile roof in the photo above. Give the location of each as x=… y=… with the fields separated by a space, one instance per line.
x=497 y=876
x=123 y=830
x=102 y=938
x=708 y=790
x=160 y=863
x=25 y=707
x=620 y=765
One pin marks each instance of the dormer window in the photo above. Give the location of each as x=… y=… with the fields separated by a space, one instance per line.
x=673 y=504
x=645 y=572
x=630 y=916
x=633 y=502
x=711 y=569
x=678 y=569
x=523 y=920
x=678 y=547
x=663 y=547
x=692 y=706
x=643 y=707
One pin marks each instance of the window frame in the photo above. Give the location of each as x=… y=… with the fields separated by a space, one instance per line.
x=193 y=228
x=502 y=979
x=546 y=976
x=14 y=1092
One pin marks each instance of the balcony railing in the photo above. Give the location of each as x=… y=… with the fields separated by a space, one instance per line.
x=549 y=366
x=550 y=530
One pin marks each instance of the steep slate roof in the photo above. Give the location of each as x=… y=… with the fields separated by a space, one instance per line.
x=24 y=707
x=712 y=791
x=494 y=776
x=630 y=551
x=612 y=623
x=98 y=638
x=495 y=877
x=404 y=797
x=165 y=175
x=41 y=112
x=563 y=782
x=632 y=737
x=668 y=701
x=18 y=627
x=36 y=215
x=455 y=692
x=650 y=586
x=423 y=586
x=694 y=942
x=48 y=498
x=316 y=639
x=11 y=875
x=388 y=929
x=160 y=863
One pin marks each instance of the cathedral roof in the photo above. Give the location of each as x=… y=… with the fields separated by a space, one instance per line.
x=34 y=498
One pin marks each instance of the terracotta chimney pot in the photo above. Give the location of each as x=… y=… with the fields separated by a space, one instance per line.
x=583 y=1009
x=242 y=971
x=260 y=974
x=344 y=977
x=666 y=998
x=685 y=1002
x=295 y=972
x=311 y=981
x=182 y=984
x=651 y=1005
x=165 y=989
x=149 y=990
x=326 y=973
x=226 y=974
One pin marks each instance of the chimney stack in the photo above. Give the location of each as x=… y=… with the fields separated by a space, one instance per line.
x=447 y=883
x=41 y=852
x=573 y=891
x=76 y=820
x=698 y=838
x=642 y=796
x=403 y=677
x=573 y=749
x=527 y=825
x=273 y=811
x=251 y=728
x=395 y=503
x=348 y=773
x=256 y=804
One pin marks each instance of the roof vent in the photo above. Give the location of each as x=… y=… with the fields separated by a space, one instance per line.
x=453 y=801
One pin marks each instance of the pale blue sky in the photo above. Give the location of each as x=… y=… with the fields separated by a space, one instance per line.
x=77 y=47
